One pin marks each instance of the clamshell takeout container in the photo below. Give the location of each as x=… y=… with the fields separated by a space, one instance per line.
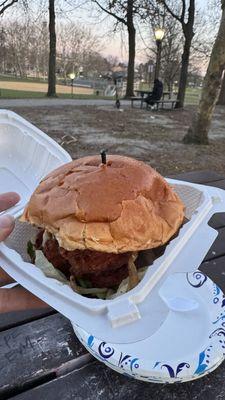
x=166 y=329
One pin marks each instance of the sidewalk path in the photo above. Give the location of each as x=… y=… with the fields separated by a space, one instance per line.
x=9 y=103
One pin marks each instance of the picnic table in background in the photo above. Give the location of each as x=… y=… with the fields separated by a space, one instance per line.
x=41 y=358
x=141 y=94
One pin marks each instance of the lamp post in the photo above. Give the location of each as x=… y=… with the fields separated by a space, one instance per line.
x=72 y=76
x=159 y=35
x=150 y=71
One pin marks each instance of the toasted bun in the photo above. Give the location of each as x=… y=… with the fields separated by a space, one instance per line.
x=122 y=206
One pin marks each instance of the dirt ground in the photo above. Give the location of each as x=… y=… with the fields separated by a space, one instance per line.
x=154 y=137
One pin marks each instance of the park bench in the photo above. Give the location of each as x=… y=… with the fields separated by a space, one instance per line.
x=137 y=98
x=161 y=103
x=170 y=102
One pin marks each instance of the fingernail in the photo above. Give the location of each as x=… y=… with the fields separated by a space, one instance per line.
x=6 y=221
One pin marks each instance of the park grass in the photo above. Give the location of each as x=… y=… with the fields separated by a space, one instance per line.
x=192 y=95
x=20 y=94
x=11 y=78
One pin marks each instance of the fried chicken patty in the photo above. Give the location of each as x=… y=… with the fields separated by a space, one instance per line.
x=101 y=269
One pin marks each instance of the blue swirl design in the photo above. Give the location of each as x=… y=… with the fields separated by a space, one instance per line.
x=216 y=292
x=218 y=332
x=134 y=364
x=173 y=372
x=201 y=365
x=105 y=350
x=181 y=366
x=223 y=302
x=196 y=279
x=127 y=359
x=220 y=318
x=90 y=341
x=169 y=369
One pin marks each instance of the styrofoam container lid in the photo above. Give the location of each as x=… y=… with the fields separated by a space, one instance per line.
x=27 y=155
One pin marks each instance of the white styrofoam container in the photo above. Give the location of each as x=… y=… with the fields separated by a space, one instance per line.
x=26 y=156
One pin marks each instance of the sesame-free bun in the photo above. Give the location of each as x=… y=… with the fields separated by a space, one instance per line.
x=121 y=206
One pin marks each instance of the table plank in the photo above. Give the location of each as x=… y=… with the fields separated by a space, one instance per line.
x=12 y=319
x=201 y=177
x=217 y=221
x=32 y=352
x=215 y=270
x=219 y=184
x=97 y=382
x=218 y=247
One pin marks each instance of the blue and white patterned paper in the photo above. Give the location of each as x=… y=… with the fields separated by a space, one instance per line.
x=162 y=370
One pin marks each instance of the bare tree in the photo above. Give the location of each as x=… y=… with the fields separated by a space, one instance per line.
x=52 y=51
x=124 y=12
x=3 y=50
x=198 y=131
x=75 y=47
x=6 y=4
x=184 y=13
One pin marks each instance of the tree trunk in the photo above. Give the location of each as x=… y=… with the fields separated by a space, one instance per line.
x=188 y=36
x=198 y=131
x=52 y=51
x=184 y=71
x=221 y=100
x=131 y=43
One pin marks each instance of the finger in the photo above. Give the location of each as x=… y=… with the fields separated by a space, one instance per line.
x=19 y=299
x=5 y=279
x=7 y=224
x=8 y=200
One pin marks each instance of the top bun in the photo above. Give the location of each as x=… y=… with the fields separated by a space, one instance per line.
x=121 y=206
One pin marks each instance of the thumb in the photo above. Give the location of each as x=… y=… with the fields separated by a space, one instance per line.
x=6 y=226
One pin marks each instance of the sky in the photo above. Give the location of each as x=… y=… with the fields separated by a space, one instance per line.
x=114 y=44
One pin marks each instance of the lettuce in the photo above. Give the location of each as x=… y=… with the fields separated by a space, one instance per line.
x=47 y=268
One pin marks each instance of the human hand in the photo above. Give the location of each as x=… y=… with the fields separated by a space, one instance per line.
x=17 y=298
x=7 y=200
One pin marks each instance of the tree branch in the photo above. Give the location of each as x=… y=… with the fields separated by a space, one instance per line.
x=183 y=10
x=191 y=13
x=169 y=10
x=5 y=6
x=122 y=20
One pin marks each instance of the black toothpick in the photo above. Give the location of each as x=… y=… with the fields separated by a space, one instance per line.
x=103 y=155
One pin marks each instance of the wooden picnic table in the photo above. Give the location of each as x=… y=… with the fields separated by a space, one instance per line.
x=141 y=98
x=41 y=358
x=142 y=93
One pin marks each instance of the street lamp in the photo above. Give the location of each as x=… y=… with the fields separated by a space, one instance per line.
x=150 y=71
x=72 y=76
x=159 y=35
